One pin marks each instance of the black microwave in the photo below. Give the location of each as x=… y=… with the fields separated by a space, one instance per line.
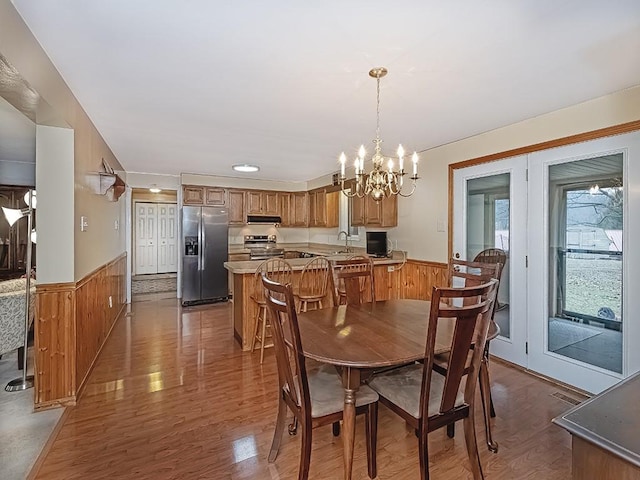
x=377 y=244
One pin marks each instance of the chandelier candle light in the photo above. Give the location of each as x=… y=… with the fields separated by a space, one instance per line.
x=379 y=183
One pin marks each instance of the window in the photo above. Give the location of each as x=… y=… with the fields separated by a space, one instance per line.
x=345 y=217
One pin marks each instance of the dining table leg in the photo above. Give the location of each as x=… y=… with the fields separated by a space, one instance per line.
x=351 y=383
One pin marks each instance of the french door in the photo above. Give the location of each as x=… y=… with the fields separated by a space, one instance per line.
x=572 y=270
x=584 y=283
x=487 y=206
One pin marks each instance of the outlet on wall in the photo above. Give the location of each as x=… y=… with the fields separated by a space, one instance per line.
x=84 y=224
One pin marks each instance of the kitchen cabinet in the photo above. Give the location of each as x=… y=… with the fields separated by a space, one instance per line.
x=323 y=208
x=298 y=213
x=284 y=199
x=198 y=195
x=366 y=212
x=293 y=209
x=214 y=196
x=236 y=207
x=192 y=195
x=262 y=202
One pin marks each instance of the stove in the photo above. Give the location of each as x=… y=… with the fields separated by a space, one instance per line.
x=262 y=247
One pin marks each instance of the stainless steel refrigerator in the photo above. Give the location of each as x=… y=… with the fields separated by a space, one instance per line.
x=204 y=250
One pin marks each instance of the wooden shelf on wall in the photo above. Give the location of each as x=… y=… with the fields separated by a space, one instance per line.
x=109 y=184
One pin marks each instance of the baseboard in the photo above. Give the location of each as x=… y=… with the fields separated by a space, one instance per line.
x=550 y=380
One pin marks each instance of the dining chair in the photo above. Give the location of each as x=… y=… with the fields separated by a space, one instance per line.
x=493 y=256
x=315 y=398
x=280 y=271
x=469 y=274
x=315 y=279
x=428 y=400
x=353 y=278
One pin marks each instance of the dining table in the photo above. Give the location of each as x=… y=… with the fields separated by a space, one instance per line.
x=366 y=337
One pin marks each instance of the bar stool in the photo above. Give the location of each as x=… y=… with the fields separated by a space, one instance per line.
x=277 y=270
x=313 y=283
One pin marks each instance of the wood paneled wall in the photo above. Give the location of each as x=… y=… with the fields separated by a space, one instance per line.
x=418 y=277
x=73 y=322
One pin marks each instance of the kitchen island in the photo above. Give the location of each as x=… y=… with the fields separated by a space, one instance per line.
x=604 y=431
x=386 y=279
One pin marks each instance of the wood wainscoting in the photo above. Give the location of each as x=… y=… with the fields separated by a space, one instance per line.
x=413 y=280
x=418 y=277
x=73 y=322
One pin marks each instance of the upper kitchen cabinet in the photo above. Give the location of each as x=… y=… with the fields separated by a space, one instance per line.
x=262 y=203
x=298 y=209
x=367 y=212
x=198 y=195
x=192 y=195
x=293 y=209
x=323 y=208
x=215 y=196
x=236 y=207
x=284 y=200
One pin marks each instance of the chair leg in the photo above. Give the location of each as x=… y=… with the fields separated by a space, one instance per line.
x=371 y=428
x=305 y=454
x=485 y=396
x=423 y=452
x=264 y=337
x=472 y=446
x=256 y=329
x=277 y=434
x=451 y=430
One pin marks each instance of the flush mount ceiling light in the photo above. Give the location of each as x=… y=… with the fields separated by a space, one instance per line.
x=154 y=189
x=378 y=183
x=245 y=168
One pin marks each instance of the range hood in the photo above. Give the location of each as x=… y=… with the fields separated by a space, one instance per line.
x=264 y=219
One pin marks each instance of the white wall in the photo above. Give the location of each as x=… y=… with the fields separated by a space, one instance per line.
x=418 y=215
x=146 y=180
x=55 y=211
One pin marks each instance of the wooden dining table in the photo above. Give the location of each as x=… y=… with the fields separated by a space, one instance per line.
x=359 y=338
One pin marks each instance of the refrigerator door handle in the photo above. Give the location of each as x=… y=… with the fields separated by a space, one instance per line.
x=201 y=239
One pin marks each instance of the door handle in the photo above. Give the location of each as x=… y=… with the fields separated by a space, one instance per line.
x=457 y=255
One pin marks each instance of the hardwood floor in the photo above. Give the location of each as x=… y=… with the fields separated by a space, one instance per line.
x=172 y=396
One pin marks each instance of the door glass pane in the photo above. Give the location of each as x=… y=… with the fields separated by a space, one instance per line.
x=488 y=207
x=585 y=261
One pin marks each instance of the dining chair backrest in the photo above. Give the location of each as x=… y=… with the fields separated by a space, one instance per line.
x=491 y=255
x=276 y=269
x=471 y=327
x=355 y=276
x=463 y=273
x=290 y=361
x=315 y=277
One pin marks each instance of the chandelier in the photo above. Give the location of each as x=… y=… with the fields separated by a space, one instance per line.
x=379 y=182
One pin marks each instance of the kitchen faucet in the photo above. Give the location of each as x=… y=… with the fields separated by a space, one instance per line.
x=346 y=239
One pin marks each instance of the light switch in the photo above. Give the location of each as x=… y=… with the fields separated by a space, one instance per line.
x=84 y=224
x=440 y=226
x=116 y=225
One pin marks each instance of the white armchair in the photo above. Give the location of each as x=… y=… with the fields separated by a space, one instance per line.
x=12 y=305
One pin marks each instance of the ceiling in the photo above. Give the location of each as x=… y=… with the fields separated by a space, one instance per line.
x=197 y=86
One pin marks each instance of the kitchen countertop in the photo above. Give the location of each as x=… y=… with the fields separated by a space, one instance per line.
x=330 y=251
x=315 y=248
x=610 y=420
